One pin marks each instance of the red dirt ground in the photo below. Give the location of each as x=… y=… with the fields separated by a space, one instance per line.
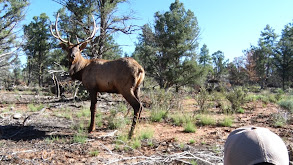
x=28 y=140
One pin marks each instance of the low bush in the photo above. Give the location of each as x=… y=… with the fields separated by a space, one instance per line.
x=189 y=127
x=254 y=89
x=241 y=110
x=286 y=104
x=236 y=98
x=157 y=115
x=226 y=122
x=147 y=133
x=280 y=120
x=117 y=122
x=35 y=108
x=79 y=138
x=202 y=100
x=94 y=153
x=251 y=98
x=84 y=112
x=116 y=118
x=136 y=143
x=178 y=119
x=99 y=119
x=162 y=102
x=206 y=120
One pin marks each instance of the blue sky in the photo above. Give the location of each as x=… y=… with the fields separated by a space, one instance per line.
x=227 y=25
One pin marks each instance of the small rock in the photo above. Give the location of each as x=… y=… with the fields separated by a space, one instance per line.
x=17 y=116
x=186 y=148
x=11 y=108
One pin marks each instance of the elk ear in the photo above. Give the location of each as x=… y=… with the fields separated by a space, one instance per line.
x=64 y=46
x=82 y=46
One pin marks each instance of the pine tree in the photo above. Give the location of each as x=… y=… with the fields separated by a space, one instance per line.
x=220 y=64
x=204 y=57
x=80 y=20
x=37 y=47
x=11 y=14
x=283 y=59
x=237 y=73
x=265 y=53
x=168 y=51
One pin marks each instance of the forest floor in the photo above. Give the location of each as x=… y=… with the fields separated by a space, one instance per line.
x=49 y=135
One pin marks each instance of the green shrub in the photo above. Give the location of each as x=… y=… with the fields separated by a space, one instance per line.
x=191 y=141
x=161 y=99
x=35 y=108
x=94 y=153
x=251 y=98
x=236 y=98
x=136 y=143
x=79 y=138
x=254 y=89
x=286 y=104
x=227 y=121
x=146 y=133
x=279 y=95
x=193 y=162
x=157 y=115
x=178 y=119
x=116 y=119
x=206 y=120
x=189 y=127
x=99 y=119
x=79 y=127
x=121 y=139
x=53 y=139
x=115 y=123
x=84 y=112
x=279 y=120
x=162 y=102
x=241 y=110
x=122 y=107
x=202 y=100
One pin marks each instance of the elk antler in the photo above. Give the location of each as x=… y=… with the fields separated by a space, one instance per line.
x=92 y=35
x=64 y=41
x=57 y=32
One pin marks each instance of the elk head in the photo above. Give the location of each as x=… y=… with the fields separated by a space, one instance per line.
x=73 y=50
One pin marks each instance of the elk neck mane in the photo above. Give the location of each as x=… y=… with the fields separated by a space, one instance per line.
x=79 y=63
x=77 y=66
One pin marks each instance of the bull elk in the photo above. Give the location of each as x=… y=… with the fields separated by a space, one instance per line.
x=122 y=76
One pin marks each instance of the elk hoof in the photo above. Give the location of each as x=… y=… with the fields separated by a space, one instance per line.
x=130 y=135
x=91 y=129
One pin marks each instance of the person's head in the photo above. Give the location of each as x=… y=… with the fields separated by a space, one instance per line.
x=255 y=146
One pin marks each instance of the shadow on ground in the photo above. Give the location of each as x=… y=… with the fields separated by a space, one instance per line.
x=24 y=133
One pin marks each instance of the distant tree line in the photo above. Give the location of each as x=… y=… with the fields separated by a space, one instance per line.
x=168 y=52
x=269 y=64
x=167 y=48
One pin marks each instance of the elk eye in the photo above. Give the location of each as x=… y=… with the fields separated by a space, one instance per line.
x=73 y=55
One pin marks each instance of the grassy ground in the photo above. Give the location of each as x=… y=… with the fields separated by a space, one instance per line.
x=173 y=126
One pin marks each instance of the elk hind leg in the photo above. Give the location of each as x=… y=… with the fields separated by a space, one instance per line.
x=134 y=102
x=136 y=94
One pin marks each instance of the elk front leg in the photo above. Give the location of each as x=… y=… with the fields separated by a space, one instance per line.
x=93 y=96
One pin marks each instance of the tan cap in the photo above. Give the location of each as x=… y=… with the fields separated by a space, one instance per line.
x=251 y=145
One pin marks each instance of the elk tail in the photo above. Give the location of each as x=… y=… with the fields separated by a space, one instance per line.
x=140 y=77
